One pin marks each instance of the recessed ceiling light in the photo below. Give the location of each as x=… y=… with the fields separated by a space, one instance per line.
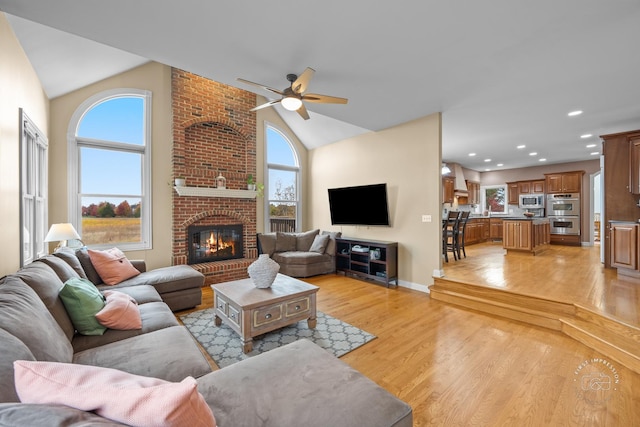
x=591 y=145
x=533 y=153
x=520 y=147
x=472 y=154
x=500 y=164
x=542 y=160
x=487 y=170
x=595 y=153
x=487 y=160
x=575 y=113
x=586 y=135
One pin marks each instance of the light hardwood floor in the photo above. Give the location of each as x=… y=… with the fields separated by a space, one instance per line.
x=457 y=367
x=562 y=273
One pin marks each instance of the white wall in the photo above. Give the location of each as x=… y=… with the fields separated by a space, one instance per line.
x=407 y=159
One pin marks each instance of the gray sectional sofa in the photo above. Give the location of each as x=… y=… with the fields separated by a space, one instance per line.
x=298 y=384
x=301 y=254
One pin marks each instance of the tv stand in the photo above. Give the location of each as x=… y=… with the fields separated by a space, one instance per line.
x=378 y=263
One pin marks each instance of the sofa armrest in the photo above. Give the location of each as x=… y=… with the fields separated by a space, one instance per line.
x=139 y=264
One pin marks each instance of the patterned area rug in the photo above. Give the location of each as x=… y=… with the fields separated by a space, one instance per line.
x=225 y=346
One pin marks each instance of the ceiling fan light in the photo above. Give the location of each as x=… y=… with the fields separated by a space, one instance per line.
x=291 y=103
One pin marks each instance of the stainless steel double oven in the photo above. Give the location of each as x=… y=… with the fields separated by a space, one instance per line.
x=563 y=211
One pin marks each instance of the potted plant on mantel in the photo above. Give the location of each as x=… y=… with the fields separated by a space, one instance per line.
x=251 y=183
x=180 y=181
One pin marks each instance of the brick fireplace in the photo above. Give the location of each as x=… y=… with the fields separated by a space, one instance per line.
x=213 y=133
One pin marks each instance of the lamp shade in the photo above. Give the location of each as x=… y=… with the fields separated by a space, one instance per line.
x=64 y=231
x=291 y=103
x=445 y=169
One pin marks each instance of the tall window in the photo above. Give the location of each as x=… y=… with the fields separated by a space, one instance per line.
x=283 y=183
x=110 y=170
x=33 y=190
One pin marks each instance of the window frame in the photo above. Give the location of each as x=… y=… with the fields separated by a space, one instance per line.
x=76 y=143
x=483 y=198
x=280 y=167
x=34 y=186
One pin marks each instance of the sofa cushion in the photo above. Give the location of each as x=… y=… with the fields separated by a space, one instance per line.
x=300 y=258
x=69 y=256
x=319 y=244
x=165 y=279
x=120 y=312
x=112 y=265
x=140 y=292
x=62 y=269
x=305 y=240
x=154 y=316
x=20 y=306
x=315 y=389
x=169 y=354
x=87 y=266
x=285 y=242
x=131 y=399
x=46 y=283
x=22 y=414
x=331 y=246
x=12 y=349
x=267 y=242
x=82 y=301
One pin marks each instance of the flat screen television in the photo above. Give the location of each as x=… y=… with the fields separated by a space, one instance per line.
x=360 y=205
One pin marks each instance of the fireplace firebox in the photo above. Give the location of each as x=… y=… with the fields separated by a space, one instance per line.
x=209 y=243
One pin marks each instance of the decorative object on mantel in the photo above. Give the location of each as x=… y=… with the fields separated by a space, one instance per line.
x=180 y=181
x=221 y=181
x=251 y=183
x=263 y=271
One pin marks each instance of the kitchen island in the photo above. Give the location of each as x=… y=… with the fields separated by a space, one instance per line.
x=529 y=235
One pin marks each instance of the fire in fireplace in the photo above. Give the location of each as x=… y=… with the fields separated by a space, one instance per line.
x=209 y=243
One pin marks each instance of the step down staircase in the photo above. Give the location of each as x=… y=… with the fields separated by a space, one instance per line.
x=613 y=338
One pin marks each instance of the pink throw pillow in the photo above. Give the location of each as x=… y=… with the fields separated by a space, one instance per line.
x=130 y=399
x=112 y=265
x=120 y=312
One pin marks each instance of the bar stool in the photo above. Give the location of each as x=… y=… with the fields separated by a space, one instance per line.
x=449 y=227
x=460 y=232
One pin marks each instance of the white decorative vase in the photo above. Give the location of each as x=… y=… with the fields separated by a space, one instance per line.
x=263 y=271
x=180 y=182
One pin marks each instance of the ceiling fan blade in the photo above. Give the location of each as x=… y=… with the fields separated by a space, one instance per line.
x=265 y=105
x=303 y=112
x=324 y=99
x=301 y=83
x=270 y=89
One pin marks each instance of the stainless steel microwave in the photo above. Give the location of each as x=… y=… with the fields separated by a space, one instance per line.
x=531 y=201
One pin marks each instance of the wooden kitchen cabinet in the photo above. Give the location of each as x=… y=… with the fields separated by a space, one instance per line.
x=513 y=190
x=537 y=187
x=524 y=187
x=473 y=188
x=624 y=245
x=566 y=182
x=448 y=184
x=477 y=231
x=634 y=156
x=526 y=235
x=495 y=229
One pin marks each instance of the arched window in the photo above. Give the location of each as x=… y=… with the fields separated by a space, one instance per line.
x=282 y=192
x=110 y=170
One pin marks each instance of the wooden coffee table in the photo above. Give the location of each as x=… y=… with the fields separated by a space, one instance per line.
x=251 y=311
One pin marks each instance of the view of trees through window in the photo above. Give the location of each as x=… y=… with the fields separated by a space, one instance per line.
x=495 y=199
x=111 y=142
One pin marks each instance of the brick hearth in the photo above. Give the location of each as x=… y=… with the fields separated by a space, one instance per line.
x=213 y=132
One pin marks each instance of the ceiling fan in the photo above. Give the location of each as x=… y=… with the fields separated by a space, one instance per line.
x=293 y=96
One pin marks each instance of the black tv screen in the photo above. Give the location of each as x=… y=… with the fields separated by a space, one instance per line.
x=361 y=205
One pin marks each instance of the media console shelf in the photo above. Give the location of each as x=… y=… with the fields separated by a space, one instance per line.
x=368 y=259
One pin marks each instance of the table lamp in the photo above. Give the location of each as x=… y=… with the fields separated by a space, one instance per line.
x=62 y=233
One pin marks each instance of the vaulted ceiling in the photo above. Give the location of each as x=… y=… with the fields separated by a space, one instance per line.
x=502 y=73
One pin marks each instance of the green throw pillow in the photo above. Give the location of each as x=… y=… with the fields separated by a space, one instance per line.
x=83 y=300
